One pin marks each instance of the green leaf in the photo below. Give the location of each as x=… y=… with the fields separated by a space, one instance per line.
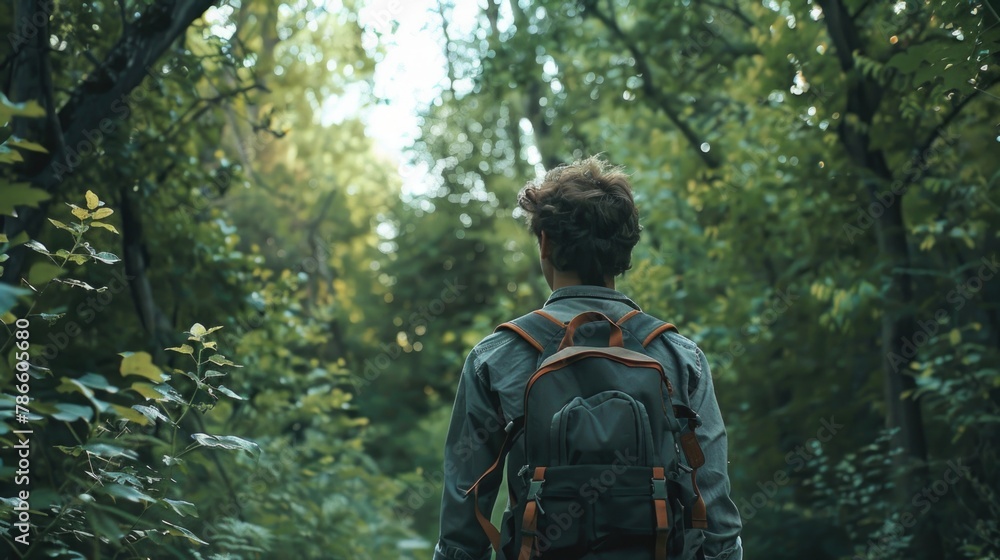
x=38 y=247
x=107 y=258
x=182 y=508
x=220 y=360
x=9 y=109
x=110 y=451
x=23 y=144
x=168 y=460
x=126 y=493
x=158 y=392
x=179 y=531
x=42 y=272
x=225 y=391
x=71 y=412
x=78 y=284
x=153 y=414
x=141 y=364
x=20 y=194
x=50 y=318
x=8 y=155
x=97 y=381
x=70 y=385
x=9 y=295
x=227 y=442
x=60 y=225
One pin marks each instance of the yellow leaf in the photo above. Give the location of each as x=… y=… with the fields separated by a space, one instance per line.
x=182 y=349
x=92 y=200
x=80 y=213
x=102 y=213
x=141 y=364
x=197 y=330
x=130 y=414
x=108 y=227
x=147 y=390
x=955 y=337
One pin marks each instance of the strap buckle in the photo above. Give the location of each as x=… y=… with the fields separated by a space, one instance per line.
x=535 y=489
x=659 y=488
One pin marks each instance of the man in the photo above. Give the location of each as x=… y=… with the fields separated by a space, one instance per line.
x=586 y=223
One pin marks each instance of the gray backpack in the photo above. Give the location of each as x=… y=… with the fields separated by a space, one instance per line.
x=594 y=465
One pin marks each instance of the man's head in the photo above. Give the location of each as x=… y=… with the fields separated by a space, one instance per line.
x=586 y=222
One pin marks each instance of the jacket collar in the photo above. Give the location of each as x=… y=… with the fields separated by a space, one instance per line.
x=588 y=291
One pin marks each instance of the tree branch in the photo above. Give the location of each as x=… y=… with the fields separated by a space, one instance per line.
x=649 y=88
x=102 y=97
x=918 y=163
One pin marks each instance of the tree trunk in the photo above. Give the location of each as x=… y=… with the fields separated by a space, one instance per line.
x=898 y=325
x=97 y=103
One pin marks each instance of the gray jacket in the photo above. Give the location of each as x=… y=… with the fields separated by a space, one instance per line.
x=491 y=390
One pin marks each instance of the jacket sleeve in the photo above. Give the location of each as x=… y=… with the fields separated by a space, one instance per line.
x=722 y=538
x=475 y=438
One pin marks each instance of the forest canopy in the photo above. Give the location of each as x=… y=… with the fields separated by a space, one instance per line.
x=246 y=246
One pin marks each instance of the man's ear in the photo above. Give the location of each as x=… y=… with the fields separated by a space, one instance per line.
x=544 y=248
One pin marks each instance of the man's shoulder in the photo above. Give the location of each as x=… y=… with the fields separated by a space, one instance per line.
x=494 y=340
x=687 y=349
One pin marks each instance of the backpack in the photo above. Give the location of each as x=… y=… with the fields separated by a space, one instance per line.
x=594 y=465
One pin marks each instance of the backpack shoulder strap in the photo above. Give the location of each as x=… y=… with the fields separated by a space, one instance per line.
x=644 y=326
x=537 y=327
x=647 y=328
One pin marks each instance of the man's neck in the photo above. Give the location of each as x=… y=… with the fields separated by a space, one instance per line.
x=564 y=279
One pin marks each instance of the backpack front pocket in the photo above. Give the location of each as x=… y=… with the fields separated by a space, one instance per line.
x=609 y=427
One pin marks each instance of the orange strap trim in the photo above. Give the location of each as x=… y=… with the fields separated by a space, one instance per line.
x=484 y=522
x=550 y=317
x=529 y=545
x=615 y=339
x=696 y=458
x=662 y=519
x=522 y=333
x=628 y=316
x=659 y=330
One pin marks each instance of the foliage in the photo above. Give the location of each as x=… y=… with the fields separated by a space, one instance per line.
x=769 y=143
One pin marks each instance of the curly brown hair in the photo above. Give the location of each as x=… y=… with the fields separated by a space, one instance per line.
x=587 y=210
